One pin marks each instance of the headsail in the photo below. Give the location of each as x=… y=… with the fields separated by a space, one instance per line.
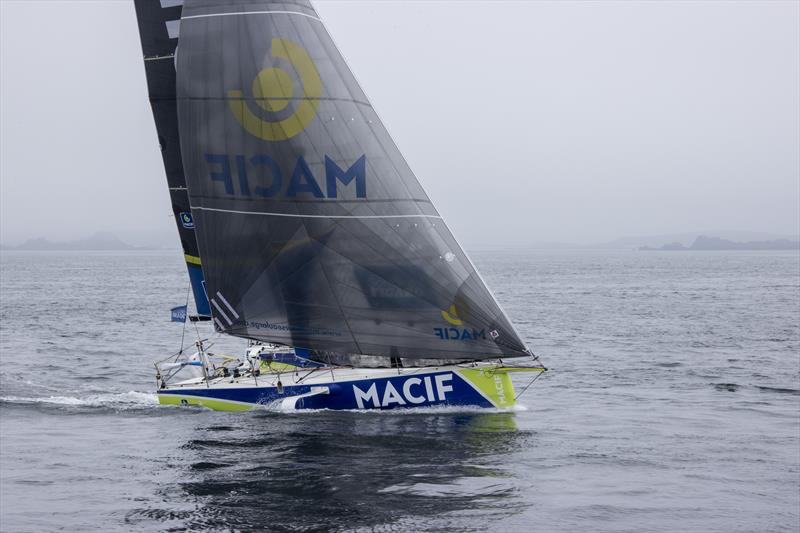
x=313 y=230
x=158 y=28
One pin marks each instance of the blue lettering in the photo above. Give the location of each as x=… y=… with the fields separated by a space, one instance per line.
x=277 y=179
x=455 y=334
x=357 y=171
x=225 y=172
x=244 y=185
x=268 y=179
x=297 y=185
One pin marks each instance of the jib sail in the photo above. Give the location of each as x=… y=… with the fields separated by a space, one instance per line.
x=313 y=230
x=158 y=28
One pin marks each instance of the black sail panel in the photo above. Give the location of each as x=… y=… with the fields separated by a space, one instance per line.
x=159 y=24
x=313 y=230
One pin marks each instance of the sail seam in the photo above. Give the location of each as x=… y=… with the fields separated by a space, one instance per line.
x=292 y=215
x=276 y=98
x=252 y=13
x=157 y=58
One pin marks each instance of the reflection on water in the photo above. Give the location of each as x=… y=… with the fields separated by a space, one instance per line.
x=330 y=470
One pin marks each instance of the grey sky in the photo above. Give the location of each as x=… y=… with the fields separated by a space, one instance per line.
x=525 y=121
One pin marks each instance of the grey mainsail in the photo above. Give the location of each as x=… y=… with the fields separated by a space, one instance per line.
x=313 y=230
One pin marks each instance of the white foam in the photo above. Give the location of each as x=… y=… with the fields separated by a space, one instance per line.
x=122 y=400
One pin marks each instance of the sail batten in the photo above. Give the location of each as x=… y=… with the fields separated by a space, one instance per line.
x=243 y=13
x=298 y=215
x=312 y=229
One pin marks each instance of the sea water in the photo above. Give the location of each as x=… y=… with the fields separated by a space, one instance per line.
x=672 y=404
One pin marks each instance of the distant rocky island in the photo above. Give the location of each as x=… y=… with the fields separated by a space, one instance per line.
x=98 y=241
x=704 y=243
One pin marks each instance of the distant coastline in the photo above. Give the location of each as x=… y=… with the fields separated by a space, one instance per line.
x=705 y=243
x=700 y=241
x=98 y=242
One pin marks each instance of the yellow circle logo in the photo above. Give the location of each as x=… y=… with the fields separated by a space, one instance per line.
x=273 y=91
x=451 y=316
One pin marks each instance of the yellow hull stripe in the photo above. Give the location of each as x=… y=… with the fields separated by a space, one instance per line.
x=193 y=259
x=210 y=403
x=275 y=368
x=493 y=385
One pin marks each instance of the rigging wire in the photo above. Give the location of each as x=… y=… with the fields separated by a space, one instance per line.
x=197 y=331
x=183 y=332
x=528 y=385
x=537 y=376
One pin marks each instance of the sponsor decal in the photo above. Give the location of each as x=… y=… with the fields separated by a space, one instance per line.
x=273 y=90
x=276 y=108
x=459 y=334
x=500 y=389
x=410 y=391
x=451 y=316
x=266 y=325
x=261 y=176
x=454 y=316
x=186 y=219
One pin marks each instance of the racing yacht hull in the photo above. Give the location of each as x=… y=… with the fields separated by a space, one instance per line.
x=479 y=385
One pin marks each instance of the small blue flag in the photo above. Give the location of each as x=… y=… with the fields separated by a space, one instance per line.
x=179 y=314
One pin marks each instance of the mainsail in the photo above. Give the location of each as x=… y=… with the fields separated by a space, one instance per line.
x=313 y=230
x=158 y=29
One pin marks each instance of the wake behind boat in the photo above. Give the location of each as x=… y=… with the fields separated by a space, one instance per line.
x=303 y=228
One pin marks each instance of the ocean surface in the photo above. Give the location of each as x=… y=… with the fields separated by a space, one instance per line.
x=672 y=404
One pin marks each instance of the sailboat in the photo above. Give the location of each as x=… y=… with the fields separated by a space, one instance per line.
x=304 y=229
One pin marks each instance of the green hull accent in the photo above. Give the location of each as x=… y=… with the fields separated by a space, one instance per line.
x=521 y=369
x=494 y=384
x=273 y=368
x=210 y=403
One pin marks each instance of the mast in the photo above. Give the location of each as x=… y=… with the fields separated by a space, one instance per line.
x=313 y=230
x=159 y=23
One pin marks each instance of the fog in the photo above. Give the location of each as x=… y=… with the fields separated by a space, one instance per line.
x=524 y=121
